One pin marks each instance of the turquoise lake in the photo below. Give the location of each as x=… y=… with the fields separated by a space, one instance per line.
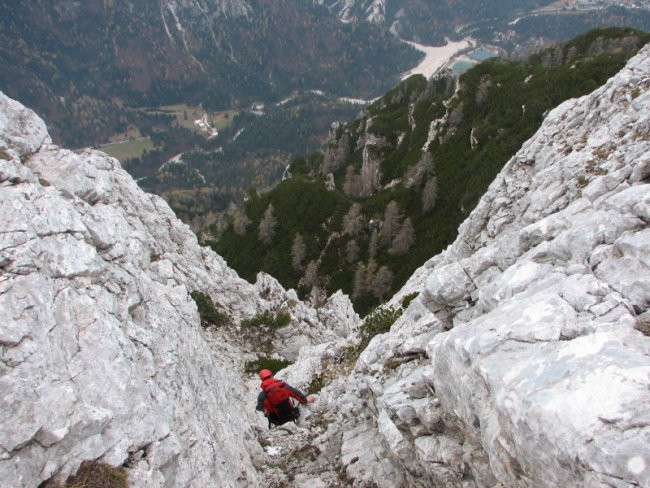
x=481 y=54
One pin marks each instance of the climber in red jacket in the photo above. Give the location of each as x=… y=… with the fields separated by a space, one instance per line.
x=275 y=399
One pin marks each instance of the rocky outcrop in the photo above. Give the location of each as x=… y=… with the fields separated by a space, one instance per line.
x=354 y=11
x=337 y=148
x=370 y=167
x=101 y=352
x=523 y=361
x=309 y=326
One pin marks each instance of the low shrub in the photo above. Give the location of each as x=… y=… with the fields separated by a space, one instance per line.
x=209 y=313
x=316 y=385
x=268 y=318
x=408 y=299
x=378 y=321
x=252 y=367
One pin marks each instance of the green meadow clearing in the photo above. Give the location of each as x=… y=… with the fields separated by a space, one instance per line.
x=128 y=149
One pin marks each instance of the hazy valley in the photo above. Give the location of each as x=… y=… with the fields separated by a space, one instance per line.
x=228 y=65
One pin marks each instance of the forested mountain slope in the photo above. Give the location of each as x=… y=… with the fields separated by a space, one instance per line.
x=391 y=188
x=88 y=67
x=428 y=21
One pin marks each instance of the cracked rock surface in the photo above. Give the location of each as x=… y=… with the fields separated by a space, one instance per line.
x=525 y=359
x=101 y=352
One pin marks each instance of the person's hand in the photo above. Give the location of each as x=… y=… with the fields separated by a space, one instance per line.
x=311 y=399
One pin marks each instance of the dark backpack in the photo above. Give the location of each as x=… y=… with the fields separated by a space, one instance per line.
x=278 y=403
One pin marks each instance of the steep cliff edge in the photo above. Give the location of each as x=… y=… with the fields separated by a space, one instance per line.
x=525 y=358
x=101 y=352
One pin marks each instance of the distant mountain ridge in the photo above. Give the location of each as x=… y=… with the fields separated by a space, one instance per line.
x=515 y=26
x=426 y=21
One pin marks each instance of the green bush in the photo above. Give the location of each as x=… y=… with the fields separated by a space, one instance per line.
x=316 y=385
x=379 y=321
x=210 y=315
x=268 y=318
x=409 y=298
x=275 y=365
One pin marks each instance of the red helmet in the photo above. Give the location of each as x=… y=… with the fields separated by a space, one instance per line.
x=265 y=373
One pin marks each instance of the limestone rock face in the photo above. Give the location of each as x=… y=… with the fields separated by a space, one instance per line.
x=309 y=326
x=101 y=352
x=522 y=361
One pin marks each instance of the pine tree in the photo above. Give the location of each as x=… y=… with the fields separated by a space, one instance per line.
x=298 y=252
x=267 y=226
x=353 y=221
x=404 y=239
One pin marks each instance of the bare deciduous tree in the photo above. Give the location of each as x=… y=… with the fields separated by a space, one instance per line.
x=352 y=183
x=391 y=225
x=382 y=282
x=371 y=269
x=430 y=194
x=373 y=244
x=240 y=222
x=416 y=173
x=352 y=251
x=353 y=221
x=298 y=251
x=310 y=280
x=267 y=226
x=404 y=239
x=359 y=285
